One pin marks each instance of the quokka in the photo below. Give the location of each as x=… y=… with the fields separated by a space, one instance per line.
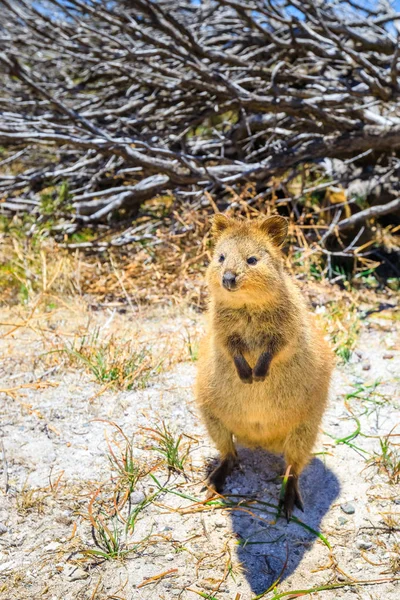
x=264 y=368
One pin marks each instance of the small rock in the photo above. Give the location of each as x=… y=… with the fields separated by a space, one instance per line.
x=65 y=517
x=363 y=544
x=3 y=529
x=52 y=546
x=17 y=542
x=387 y=355
x=7 y=566
x=366 y=367
x=341 y=577
x=348 y=508
x=169 y=557
x=396 y=500
x=220 y=524
x=74 y=574
x=137 y=497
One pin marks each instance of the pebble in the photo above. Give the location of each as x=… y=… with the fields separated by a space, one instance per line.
x=7 y=566
x=169 y=557
x=387 y=355
x=3 y=529
x=65 y=517
x=366 y=367
x=363 y=544
x=17 y=542
x=75 y=574
x=51 y=546
x=137 y=497
x=348 y=508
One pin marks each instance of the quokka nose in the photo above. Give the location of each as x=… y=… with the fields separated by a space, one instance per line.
x=229 y=280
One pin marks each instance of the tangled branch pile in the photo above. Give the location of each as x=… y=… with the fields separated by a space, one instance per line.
x=115 y=102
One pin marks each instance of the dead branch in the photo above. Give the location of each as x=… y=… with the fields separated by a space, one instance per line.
x=369 y=213
x=126 y=100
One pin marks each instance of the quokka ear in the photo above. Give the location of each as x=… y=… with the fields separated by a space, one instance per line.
x=219 y=224
x=276 y=228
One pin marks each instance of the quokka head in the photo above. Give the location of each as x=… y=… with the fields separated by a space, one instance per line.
x=246 y=267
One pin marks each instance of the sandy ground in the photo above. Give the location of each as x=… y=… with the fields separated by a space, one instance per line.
x=57 y=482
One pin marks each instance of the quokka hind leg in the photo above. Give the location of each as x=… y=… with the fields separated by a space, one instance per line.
x=297 y=451
x=222 y=438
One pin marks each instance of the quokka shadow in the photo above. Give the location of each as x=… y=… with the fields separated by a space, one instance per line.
x=267 y=549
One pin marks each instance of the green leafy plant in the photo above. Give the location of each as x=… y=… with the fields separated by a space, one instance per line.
x=169 y=445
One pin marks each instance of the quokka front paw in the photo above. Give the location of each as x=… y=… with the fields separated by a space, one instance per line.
x=243 y=369
x=260 y=373
x=246 y=379
x=259 y=376
x=261 y=369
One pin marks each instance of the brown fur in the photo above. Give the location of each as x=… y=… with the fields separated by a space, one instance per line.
x=264 y=324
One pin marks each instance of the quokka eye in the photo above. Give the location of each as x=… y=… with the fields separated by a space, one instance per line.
x=221 y=258
x=252 y=260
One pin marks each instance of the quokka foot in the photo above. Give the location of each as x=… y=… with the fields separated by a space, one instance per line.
x=291 y=498
x=218 y=477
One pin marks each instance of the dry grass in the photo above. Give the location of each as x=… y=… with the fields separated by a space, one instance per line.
x=110 y=512
x=118 y=352
x=165 y=262
x=30 y=266
x=165 y=266
x=167 y=269
x=31 y=500
x=387 y=460
x=119 y=362
x=342 y=323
